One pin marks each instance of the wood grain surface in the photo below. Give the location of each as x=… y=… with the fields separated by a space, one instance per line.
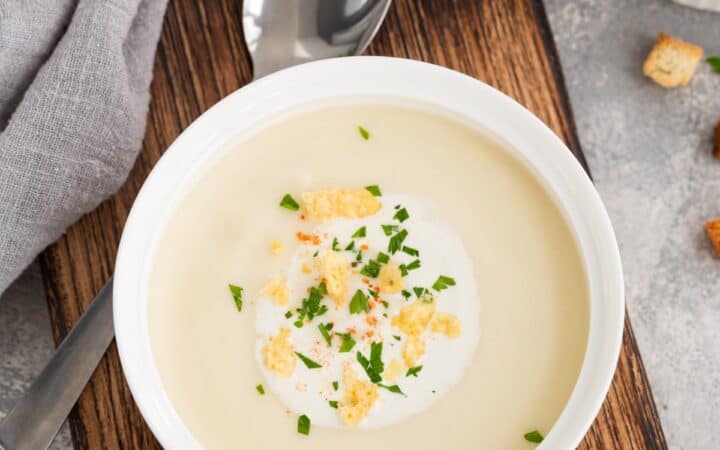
x=201 y=58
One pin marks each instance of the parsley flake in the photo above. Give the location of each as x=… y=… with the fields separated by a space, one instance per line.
x=413 y=371
x=237 y=293
x=374 y=366
x=361 y=232
x=347 y=344
x=309 y=363
x=359 y=303
x=288 y=202
x=534 y=436
x=397 y=338
x=413 y=265
x=394 y=388
x=303 y=426
x=260 y=389
x=443 y=282
x=401 y=215
x=714 y=62
x=371 y=269
x=406 y=294
x=396 y=241
x=365 y=134
x=336 y=385
x=311 y=306
x=411 y=251
x=324 y=330
x=389 y=229
x=333 y=403
x=383 y=258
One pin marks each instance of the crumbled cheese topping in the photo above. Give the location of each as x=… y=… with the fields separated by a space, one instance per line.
x=360 y=396
x=413 y=350
x=414 y=318
x=280 y=354
x=349 y=203
x=335 y=270
x=393 y=371
x=277 y=290
x=276 y=247
x=447 y=324
x=390 y=279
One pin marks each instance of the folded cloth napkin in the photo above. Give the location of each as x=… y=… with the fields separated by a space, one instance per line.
x=74 y=94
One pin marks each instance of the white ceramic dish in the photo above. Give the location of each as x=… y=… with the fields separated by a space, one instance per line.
x=522 y=134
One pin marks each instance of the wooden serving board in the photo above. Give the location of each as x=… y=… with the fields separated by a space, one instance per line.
x=202 y=58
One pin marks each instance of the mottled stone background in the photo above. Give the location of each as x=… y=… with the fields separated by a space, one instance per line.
x=650 y=153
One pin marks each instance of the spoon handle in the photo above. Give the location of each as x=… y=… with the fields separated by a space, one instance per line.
x=37 y=416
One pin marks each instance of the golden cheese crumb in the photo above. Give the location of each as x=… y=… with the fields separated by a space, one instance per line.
x=390 y=279
x=350 y=203
x=306 y=269
x=672 y=62
x=413 y=319
x=277 y=290
x=413 y=350
x=360 y=396
x=393 y=371
x=335 y=270
x=276 y=247
x=447 y=324
x=279 y=354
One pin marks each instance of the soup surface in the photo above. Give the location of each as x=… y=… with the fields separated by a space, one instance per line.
x=417 y=289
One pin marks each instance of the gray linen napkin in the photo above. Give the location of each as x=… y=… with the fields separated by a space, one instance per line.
x=74 y=81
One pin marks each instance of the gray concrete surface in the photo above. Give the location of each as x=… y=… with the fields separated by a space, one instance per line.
x=649 y=150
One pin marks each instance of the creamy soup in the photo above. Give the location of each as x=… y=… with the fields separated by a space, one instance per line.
x=367 y=276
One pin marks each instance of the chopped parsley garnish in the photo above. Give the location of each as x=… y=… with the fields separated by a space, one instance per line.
x=413 y=371
x=396 y=241
x=315 y=254
x=373 y=293
x=260 y=389
x=350 y=247
x=365 y=134
x=443 y=283
x=714 y=62
x=336 y=385
x=383 y=258
x=394 y=388
x=410 y=251
x=309 y=363
x=347 y=344
x=333 y=403
x=389 y=229
x=288 y=202
x=401 y=215
x=419 y=291
x=371 y=269
x=534 y=436
x=303 y=425
x=385 y=304
x=361 y=232
x=358 y=258
x=397 y=338
x=406 y=294
x=237 y=293
x=288 y=314
x=311 y=306
x=413 y=265
x=374 y=190
x=335 y=245
x=324 y=328
x=374 y=366
x=359 y=303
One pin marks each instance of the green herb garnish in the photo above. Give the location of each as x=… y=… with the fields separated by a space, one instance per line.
x=374 y=366
x=406 y=294
x=315 y=254
x=413 y=371
x=237 y=293
x=413 y=265
x=396 y=241
x=371 y=269
x=288 y=314
x=260 y=389
x=311 y=306
x=714 y=62
x=402 y=215
x=419 y=291
x=443 y=283
x=336 y=385
x=410 y=251
x=303 y=425
x=534 y=436
x=358 y=258
x=333 y=403
x=347 y=344
x=350 y=247
x=394 y=388
x=359 y=303
x=389 y=229
x=335 y=245
x=397 y=338
x=361 y=232
x=383 y=258
x=385 y=304
x=365 y=134
x=324 y=331
x=288 y=202
x=309 y=363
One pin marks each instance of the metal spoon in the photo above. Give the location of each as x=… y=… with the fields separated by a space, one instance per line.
x=279 y=34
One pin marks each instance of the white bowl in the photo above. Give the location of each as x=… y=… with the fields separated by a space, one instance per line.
x=523 y=135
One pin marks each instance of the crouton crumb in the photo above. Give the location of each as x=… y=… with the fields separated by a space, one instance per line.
x=672 y=62
x=716 y=147
x=349 y=203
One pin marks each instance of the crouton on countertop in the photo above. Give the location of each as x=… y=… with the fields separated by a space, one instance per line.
x=712 y=227
x=672 y=62
x=716 y=147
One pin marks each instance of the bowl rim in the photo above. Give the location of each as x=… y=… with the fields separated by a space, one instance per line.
x=529 y=138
